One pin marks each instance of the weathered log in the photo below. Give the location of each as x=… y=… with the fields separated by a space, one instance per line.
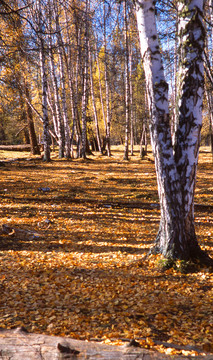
x=22 y=147
x=18 y=234
x=18 y=344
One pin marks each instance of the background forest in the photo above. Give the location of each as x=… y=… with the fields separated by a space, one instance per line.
x=71 y=74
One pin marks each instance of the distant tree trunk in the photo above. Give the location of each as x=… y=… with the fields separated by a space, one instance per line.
x=131 y=103
x=51 y=105
x=32 y=135
x=63 y=83
x=78 y=130
x=108 y=119
x=46 y=136
x=23 y=84
x=93 y=103
x=23 y=116
x=127 y=92
x=176 y=173
x=69 y=69
x=143 y=142
x=100 y=87
x=85 y=87
x=57 y=108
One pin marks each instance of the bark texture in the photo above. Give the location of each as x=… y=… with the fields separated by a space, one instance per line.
x=175 y=168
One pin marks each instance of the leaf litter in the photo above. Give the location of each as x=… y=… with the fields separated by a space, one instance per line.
x=87 y=275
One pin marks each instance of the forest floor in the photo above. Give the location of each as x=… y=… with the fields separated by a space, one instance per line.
x=73 y=253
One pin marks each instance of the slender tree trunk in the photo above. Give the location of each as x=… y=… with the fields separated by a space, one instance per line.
x=57 y=107
x=127 y=95
x=46 y=139
x=40 y=34
x=85 y=87
x=93 y=103
x=145 y=122
x=69 y=68
x=77 y=127
x=51 y=105
x=143 y=142
x=176 y=174
x=24 y=85
x=108 y=119
x=32 y=135
x=66 y=128
x=131 y=103
x=23 y=117
x=100 y=86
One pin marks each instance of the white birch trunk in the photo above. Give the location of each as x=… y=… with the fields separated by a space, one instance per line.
x=157 y=90
x=69 y=68
x=210 y=111
x=191 y=35
x=108 y=119
x=51 y=105
x=85 y=87
x=127 y=96
x=63 y=86
x=57 y=108
x=100 y=86
x=46 y=136
x=77 y=73
x=46 y=156
x=208 y=69
x=131 y=103
x=93 y=102
x=174 y=90
x=175 y=173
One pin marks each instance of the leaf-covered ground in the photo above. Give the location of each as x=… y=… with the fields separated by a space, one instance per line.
x=78 y=269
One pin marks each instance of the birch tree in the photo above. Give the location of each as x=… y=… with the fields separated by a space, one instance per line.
x=85 y=84
x=127 y=88
x=131 y=102
x=108 y=118
x=42 y=57
x=58 y=123
x=98 y=137
x=208 y=70
x=175 y=169
x=63 y=82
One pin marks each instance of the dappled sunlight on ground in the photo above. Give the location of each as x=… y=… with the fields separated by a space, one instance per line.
x=79 y=268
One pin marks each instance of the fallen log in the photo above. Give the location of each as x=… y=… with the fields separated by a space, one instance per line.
x=18 y=234
x=18 y=344
x=24 y=147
